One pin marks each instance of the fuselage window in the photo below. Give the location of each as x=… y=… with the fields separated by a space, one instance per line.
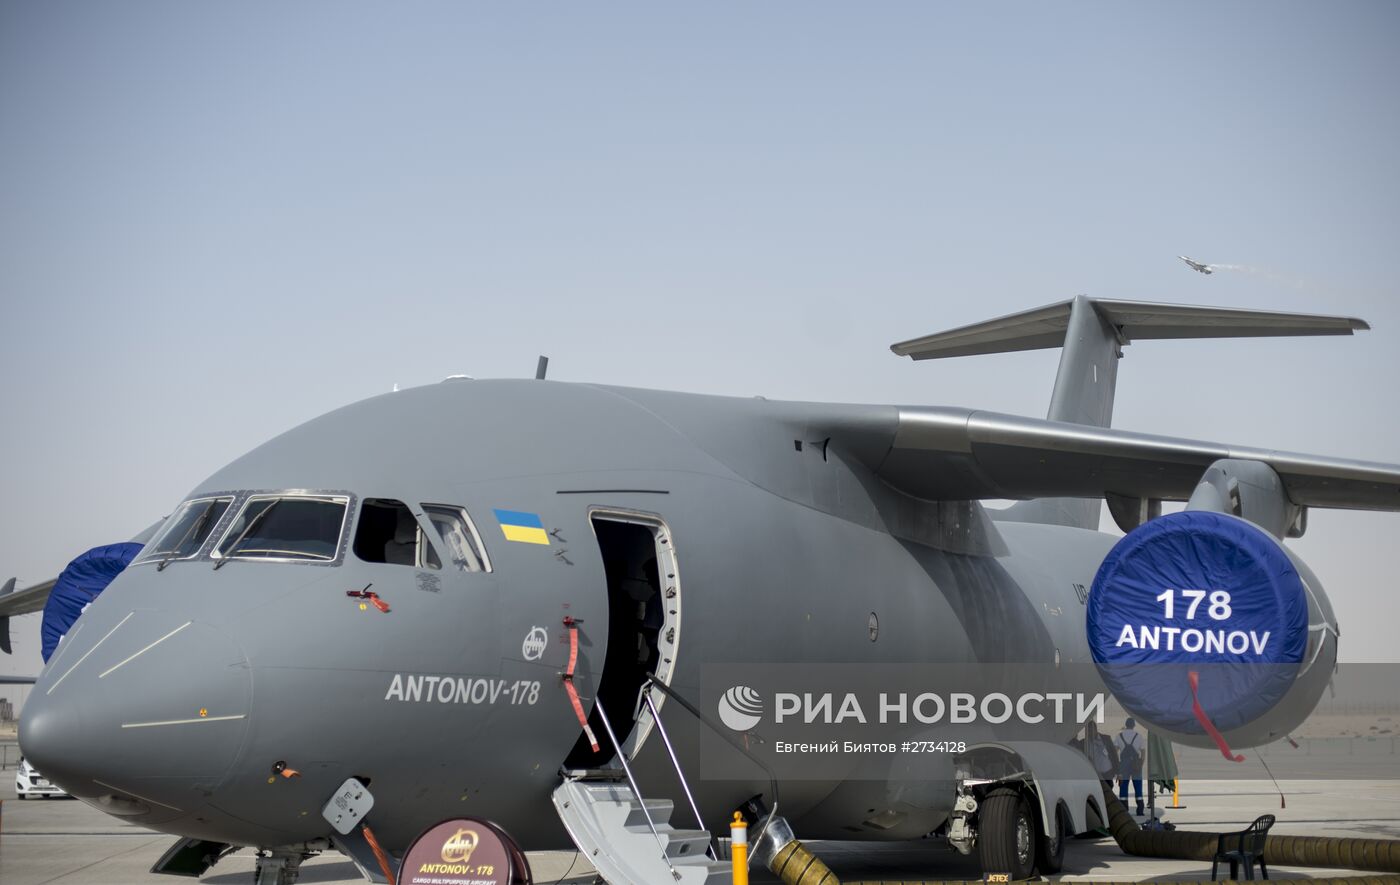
x=459 y=537
x=187 y=530
x=388 y=533
x=287 y=527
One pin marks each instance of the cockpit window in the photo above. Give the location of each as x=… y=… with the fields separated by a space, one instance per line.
x=186 y=530
x=388 y=533
x=287 y=527
x=458 y=536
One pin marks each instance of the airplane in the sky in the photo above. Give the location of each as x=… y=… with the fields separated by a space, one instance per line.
x=455 y=595
x=1196 y=265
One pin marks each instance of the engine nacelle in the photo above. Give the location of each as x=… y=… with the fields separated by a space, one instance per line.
x=1202 y=622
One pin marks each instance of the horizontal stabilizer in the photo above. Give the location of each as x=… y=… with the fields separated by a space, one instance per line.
x=1093 y=332
x=1045 y=327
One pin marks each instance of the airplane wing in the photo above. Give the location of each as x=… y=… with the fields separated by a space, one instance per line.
x=22 y=602
x=940 y=453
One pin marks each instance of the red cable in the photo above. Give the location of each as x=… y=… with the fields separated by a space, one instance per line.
x=1195 y=679
x=379 y=854
x=569 y=683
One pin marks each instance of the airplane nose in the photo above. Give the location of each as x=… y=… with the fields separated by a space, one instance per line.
x=141 y=712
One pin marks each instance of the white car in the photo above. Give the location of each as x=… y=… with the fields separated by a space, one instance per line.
x=29 y=782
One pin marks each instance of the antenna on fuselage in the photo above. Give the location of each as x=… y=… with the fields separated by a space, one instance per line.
x=541 y=367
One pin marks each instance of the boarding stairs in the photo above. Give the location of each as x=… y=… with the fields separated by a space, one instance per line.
x=628 y=837
x=630 y=840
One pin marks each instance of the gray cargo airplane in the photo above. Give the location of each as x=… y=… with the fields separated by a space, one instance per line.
x=1196 y=265
x=413 y=590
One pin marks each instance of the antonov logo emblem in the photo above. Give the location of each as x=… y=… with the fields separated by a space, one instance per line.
x=459 y=848
x=532 y=649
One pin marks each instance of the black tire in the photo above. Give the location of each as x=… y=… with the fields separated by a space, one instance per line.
x=1006 y=834
x=1050 y=847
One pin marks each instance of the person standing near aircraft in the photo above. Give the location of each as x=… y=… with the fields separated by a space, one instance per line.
x=1129 y=745
x=1099 y=749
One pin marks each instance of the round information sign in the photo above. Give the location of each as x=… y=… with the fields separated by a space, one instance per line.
x=464 y=851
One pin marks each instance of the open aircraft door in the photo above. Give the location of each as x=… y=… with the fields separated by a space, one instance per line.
x=644 y=613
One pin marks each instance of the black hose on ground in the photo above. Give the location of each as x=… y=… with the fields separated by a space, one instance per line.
x=794 y=864
x=1375 y=855
x=1340 y=880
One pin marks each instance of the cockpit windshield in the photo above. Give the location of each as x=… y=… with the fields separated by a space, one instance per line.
x=286 y=527
x=187 y=530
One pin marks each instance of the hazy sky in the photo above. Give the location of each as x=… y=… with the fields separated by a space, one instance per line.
x=220 y=220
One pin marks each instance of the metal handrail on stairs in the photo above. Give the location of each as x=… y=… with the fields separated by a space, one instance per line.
x=680 y=775
x=665 y=689
x=636 y=790
x=651 y=704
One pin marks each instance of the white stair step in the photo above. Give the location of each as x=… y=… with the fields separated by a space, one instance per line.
x=607 y=791
x=715 y=872
x=687 y=844
x=606 y=821
x=660 y=810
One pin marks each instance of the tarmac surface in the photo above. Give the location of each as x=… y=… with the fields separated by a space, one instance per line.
x=64 y=841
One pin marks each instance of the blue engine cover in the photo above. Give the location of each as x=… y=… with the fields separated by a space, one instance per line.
x=78 y=585
x=1204 y=592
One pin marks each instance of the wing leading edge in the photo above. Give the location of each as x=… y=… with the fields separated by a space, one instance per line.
x=940 y=453
x=22 y=602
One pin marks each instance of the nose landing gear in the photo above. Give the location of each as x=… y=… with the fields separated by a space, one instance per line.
x=281 y=865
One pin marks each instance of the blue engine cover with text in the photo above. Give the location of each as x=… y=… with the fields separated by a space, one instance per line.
x=1204 y=592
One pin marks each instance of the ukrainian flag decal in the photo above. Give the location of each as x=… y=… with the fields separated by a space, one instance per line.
x=527 y=528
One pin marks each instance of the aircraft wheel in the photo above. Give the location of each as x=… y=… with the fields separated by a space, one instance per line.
x=1006 y=834
x=1050 y=854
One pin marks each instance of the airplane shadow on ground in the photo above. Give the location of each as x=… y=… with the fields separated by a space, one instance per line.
x=321 y=872
x=345 y=871
x=852 y=861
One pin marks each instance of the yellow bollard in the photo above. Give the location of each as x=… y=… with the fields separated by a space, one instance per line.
x=1175 y=795
x=739 y=849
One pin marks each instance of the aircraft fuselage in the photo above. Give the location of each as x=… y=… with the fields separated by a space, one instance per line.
x=185 y=695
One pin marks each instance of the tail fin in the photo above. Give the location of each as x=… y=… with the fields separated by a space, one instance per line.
x=1093 y=333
